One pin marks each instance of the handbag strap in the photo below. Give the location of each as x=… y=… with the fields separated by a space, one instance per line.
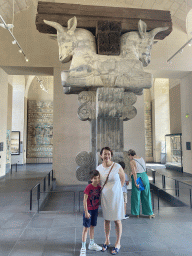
x=107 y=176
x=140 y=164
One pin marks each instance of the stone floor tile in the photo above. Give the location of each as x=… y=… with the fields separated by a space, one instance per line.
x=58 y=248
x=34 y=234
x=10 y=234
x=62 y=234
x=41 y=223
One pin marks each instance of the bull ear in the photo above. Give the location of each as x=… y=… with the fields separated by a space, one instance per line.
x=55 y=25
x=72 y=24
x=142 y=27
x=155 y=31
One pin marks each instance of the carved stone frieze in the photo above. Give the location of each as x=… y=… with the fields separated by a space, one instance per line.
x=85 y=162
x=86 y=100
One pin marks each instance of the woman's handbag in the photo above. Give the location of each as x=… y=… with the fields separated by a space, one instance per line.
x=139 y=181
x=105 y=182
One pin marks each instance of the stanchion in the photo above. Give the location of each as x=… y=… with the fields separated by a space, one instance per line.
x=158 y=198
x=153 y=175
x=38 y=194
x=44 y=182
x=31 y=199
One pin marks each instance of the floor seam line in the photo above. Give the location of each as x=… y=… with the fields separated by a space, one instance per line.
x=21 y=234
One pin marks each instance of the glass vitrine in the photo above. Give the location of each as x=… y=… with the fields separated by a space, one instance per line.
x=15 y=143
x=173 y=149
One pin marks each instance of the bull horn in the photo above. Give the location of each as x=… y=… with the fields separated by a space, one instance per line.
x=155 y=31
x=55 y=25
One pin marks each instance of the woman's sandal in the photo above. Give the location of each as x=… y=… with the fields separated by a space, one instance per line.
x=105 y=247
x=116 y=250
x=151 y=216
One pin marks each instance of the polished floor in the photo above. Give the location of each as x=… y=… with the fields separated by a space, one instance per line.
x=57 y=231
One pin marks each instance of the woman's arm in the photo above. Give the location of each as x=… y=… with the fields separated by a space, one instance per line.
x=122 y=176
x=133 y=168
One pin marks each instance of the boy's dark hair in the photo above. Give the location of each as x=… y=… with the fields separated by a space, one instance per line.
x=106 y=148
x=122 y=165
x=131 y=152
x=93 y=174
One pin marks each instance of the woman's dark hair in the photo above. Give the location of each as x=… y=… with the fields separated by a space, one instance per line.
x=131 y=152
x=94 y=173
x=106 y=148
x=122 y=165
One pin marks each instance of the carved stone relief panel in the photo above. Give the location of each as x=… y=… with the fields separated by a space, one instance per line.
x=148 y=129
x=85 y=162
x=40 y=129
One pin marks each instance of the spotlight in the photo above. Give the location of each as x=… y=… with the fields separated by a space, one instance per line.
x=14 y=42
x=26 y=59
x=20 y=51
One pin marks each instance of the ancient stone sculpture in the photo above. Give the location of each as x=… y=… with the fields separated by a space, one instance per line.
x=112 y=83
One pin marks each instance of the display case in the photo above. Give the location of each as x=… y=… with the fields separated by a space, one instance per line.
x=15 y=143
x=173 y=149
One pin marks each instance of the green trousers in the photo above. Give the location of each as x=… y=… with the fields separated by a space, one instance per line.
x=144 y=195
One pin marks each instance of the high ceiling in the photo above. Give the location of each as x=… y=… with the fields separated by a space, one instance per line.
x=178 y=8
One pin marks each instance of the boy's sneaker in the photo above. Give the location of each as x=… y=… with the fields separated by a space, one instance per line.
x=83 y=252
x=94 y=247
x=126 y=217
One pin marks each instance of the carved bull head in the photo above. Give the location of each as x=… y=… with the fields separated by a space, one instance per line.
x=145 y=41
x=65 y=38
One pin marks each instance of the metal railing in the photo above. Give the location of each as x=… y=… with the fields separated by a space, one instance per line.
x=12 y=167
x=38 y=186
x=177 y=184
x=164 y=190
x=64 y=192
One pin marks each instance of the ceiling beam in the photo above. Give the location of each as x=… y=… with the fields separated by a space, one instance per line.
x=88 y=16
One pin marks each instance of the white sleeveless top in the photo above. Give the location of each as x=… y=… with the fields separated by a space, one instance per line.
x=139 y=163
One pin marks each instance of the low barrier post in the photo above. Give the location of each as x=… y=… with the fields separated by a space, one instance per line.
x=38 y=195
x=49 y=179
x=163 y=181
x=153 y=175
x=175 y=187
x=31 y=191
x=44 y=182
x=153 y=199
x=158 y=198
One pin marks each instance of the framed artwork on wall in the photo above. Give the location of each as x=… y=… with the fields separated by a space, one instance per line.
x=15 y=143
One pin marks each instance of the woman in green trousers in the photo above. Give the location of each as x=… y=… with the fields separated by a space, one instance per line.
x=138 y=168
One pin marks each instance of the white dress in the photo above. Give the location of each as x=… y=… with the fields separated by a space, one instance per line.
x=112 y=202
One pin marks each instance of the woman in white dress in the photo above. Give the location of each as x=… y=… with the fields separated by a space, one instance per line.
x=112 y=202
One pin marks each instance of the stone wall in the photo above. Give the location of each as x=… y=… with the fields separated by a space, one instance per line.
x=40 y=131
